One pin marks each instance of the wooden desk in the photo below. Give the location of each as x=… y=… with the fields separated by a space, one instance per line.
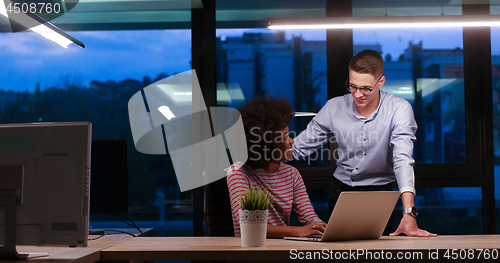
x=88 y=254
x=229 y=248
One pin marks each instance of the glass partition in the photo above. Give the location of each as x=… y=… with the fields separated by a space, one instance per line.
x=495 y=70
x=290 y=64
x=447 y=210
x=406 y=8
x=41 y=81
x=425 y=67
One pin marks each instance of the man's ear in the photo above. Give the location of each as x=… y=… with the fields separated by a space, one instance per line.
x=382 y=81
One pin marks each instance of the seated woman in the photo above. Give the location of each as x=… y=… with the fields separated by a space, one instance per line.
x=266 y=128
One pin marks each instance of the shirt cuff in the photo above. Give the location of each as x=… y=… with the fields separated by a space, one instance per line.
x=408 y=189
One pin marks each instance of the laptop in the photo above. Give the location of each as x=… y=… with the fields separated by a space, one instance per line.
x=358 y=215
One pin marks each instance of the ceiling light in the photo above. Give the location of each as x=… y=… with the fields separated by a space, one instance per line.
x=40 y=26
x=384 y=22
x=304 y=114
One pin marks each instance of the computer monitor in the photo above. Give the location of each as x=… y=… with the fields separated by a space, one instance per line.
x=50 y=163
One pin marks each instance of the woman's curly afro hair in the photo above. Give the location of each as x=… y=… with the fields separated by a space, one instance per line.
x=263 y=120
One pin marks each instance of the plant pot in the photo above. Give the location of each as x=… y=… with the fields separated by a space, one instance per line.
x=253 y=228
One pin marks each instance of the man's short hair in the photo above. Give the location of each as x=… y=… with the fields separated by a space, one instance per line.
x=367 y=62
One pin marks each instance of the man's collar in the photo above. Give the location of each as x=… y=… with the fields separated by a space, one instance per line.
x=382 y=95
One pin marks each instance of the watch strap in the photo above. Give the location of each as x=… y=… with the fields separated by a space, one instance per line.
x=411 y=210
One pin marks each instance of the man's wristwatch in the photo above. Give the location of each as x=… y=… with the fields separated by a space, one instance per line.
x=411 y=210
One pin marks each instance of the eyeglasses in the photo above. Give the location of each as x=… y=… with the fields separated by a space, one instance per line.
x=364 y=90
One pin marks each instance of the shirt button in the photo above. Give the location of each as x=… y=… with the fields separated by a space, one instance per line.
x=357 y=168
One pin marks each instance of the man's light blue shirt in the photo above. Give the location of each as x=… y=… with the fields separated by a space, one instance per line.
x=373 y=151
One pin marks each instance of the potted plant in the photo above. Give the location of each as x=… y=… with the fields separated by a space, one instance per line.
x=253 y=217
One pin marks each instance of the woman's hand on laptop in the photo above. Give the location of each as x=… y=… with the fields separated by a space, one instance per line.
x=314 y=228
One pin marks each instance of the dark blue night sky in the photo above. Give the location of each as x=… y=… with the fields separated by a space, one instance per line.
x=28 y=58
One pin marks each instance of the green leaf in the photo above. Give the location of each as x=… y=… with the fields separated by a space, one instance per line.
x=255 y=199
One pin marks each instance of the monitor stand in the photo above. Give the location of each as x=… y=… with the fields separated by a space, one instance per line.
x=8 y=199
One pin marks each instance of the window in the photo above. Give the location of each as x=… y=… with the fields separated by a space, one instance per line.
x=289 y=64
x=495 y=68
x=425 y=67
x=44 y=82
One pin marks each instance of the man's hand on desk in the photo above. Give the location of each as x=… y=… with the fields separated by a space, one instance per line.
x=409 y=227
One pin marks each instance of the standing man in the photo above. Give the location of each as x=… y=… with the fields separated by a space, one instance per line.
x=375 y=132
